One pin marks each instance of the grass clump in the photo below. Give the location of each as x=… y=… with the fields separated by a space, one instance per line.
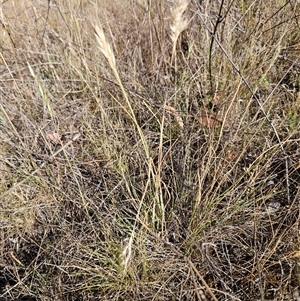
x=149 y=150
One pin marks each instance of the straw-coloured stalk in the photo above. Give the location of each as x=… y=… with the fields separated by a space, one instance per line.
x=108 y=53
x=178 y=23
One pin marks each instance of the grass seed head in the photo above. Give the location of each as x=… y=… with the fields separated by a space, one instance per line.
x=178 y=22
x=104 y=45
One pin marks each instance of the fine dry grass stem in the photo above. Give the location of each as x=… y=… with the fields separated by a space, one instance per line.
x=108 y=53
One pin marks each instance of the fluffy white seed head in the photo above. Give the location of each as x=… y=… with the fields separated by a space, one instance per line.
x=178 y=23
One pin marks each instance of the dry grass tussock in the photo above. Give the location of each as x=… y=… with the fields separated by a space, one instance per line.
x=149 y=150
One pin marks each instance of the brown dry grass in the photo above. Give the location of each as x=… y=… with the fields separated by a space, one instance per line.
x=126 y=175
